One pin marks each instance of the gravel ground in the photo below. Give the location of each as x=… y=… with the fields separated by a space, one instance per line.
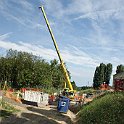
x=37 y=115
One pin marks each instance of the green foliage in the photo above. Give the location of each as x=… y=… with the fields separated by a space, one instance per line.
x=74 y=85
x=105 y=110
x=56 y=71
x=108 y=73
x=102 y=74
x=96 y=79
x=120 y=68
x=51 y=90
x=26 y=70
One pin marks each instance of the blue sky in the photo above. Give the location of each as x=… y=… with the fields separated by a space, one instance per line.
x=88 y=32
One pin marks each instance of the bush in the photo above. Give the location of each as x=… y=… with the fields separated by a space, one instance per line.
x=108 y=109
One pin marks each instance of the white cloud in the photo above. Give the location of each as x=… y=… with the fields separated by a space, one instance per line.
x=108 y=4
x=98 y=9
x=5 y=36
x=39 y=51
x=25 y=4
x=85 y=8
x=39 y=26
x=96 y=15
x=94 y=27
x=54 y=8
x=82 y=76
x=79 y=6
x=76 y=56
x=21 y=12
x=100 y=14
x=49 y=54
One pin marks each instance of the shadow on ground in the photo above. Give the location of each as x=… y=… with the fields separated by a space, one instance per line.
x=36 y=116
x=52 y=113
x=4 y=113
x=12 y=119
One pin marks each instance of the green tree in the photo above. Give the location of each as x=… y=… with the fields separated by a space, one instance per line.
x=108 y=73
x=74 y=85
x=96 y=78
x=102 y=74
x=11 y=58
x=57 y=77
x=23 y=69
x=120 y=68
x=42 y=74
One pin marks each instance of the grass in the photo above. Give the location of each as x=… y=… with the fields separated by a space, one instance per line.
x=7 y=109
x=108 y=109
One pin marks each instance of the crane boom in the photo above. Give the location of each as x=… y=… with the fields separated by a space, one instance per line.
x=57 y=49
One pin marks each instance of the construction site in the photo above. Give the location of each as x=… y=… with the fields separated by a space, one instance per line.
x=36 y=91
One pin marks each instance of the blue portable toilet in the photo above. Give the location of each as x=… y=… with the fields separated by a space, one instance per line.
x=63 y=104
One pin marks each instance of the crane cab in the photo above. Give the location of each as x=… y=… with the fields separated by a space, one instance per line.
x=69 y=93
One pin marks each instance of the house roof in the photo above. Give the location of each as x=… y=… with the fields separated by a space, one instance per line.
x=119 y=76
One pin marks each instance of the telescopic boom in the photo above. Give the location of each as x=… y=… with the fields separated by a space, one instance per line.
x=57 y=49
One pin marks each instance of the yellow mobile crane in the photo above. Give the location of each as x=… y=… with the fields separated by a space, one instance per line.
x=68 y=91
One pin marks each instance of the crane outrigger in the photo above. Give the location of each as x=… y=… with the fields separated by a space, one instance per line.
x=70 y=91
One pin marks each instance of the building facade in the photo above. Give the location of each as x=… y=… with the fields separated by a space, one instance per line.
x=118 y=81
